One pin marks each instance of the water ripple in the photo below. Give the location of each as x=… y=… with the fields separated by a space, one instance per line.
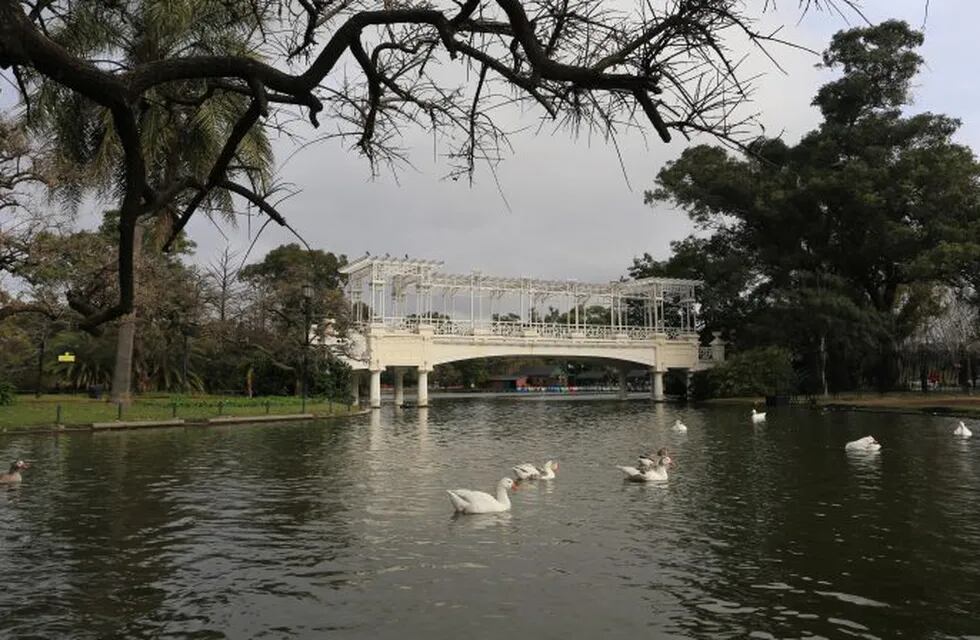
x=296 y=531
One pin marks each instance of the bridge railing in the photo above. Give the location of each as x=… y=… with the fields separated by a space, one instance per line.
x=517 y=329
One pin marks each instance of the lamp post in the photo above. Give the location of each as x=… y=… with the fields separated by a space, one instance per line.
x=307 y=291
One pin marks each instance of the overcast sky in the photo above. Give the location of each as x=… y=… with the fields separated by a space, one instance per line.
x=572 y=213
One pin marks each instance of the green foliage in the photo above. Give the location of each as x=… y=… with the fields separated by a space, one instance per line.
x=293 y=265
x=332 y=379
x=464 y=373
x=841 y=239
x=8 y=394
x=177 y=138
x=757 y=372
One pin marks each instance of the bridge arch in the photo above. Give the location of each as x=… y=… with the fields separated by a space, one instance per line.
x=648 y=360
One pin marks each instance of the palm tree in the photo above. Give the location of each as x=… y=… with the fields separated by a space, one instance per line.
x=179 y=137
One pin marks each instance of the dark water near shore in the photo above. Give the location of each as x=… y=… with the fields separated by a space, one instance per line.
x=297 y=531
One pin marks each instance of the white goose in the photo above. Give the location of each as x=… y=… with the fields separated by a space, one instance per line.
x=468 y=502
x=528 y=471
x=962 y=431
x=679 y=427
x=657 y=472
x=758 y=417
x=866 y=444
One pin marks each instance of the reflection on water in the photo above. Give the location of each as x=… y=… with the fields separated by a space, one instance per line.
x=764 y=531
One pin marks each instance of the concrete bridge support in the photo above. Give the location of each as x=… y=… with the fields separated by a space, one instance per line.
x=399 y=387
x=657 y=385
x=375 y=389
x=623 y=390
x=423 y=399
x=355 y=388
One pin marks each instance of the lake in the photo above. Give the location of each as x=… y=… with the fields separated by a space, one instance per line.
x=344 y=527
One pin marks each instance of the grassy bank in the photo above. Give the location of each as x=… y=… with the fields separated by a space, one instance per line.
x=952 y=403
x=30 y=412
x=912 y=402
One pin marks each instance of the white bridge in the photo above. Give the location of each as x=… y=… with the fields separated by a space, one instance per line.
x=405 y=313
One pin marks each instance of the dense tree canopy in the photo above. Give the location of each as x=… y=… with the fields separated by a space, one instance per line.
x=181 y=342
x=839 y=241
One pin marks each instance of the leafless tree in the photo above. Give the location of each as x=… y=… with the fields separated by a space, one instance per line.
x=371 y=68
x=222 y=276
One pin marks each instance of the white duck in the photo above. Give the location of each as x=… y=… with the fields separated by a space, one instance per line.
x=13 y=476
x=679 y=427
x=962 y=431
x=468 y=502
x=867 y=444
x=758 y=417
x=528 y=471
x=657 y=472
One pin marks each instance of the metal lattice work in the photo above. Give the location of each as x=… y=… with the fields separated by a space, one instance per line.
x=406 y=293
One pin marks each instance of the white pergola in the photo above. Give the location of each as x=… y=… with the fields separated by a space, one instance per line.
x=400 y=292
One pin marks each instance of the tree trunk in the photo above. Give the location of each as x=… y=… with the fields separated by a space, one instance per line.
x=823 y=365
x=886 y=373
x=122 y=374
x=40 y=367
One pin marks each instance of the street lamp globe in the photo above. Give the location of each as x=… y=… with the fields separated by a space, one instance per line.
x=307 y=290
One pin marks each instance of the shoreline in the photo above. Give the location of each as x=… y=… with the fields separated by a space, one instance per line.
x=137 y=425
x=943 y=405
x=965 y=407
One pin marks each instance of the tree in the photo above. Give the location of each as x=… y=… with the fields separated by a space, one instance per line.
x=137 y=70
x=853 y=225
x=270 y=332
x=173 y=140
x=222 y=275
x=756 y=372
x=21 y=221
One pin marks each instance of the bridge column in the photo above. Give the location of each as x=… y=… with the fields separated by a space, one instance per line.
x=423 y=400
x=355 y=388
x=622 y=382
x=376 y=388
x=399 y=387
x=656 y=385
x=689 y=387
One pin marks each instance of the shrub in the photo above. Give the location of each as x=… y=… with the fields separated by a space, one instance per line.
x=8 y=394
x=758 y=372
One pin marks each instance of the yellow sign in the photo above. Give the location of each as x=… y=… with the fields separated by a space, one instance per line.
x=66 y=357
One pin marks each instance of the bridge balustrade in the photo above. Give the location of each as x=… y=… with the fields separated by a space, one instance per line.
x=516 y=329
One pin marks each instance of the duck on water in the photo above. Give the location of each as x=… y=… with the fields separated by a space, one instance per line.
x=13 y=476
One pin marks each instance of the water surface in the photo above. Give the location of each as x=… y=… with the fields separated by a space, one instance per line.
x=297 y=531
